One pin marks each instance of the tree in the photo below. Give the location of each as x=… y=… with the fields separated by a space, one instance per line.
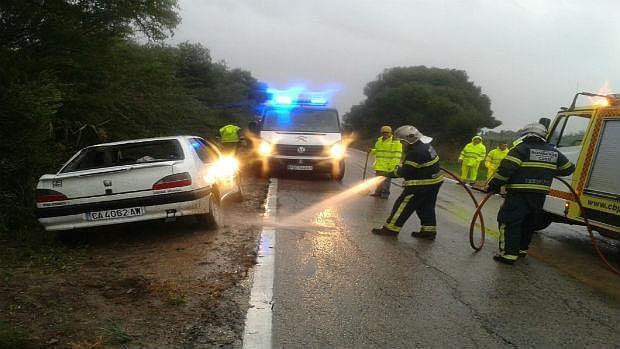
x=442 y=103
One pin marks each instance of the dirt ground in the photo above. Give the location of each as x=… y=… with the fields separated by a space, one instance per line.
x=149 y=285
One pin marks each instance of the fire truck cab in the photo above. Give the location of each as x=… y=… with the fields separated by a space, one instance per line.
x=589 y=136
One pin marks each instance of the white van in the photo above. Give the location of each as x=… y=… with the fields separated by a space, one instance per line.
x=301 y=136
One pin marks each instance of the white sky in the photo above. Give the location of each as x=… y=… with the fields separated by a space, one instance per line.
x=529 y=56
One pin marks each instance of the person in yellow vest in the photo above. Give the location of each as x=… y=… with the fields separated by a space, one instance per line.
x=230 y=138
x=472 y=154
x=387 y=152
x=493 y=159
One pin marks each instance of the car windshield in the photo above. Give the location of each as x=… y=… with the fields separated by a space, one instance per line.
x=125 y=154
x=301 y=120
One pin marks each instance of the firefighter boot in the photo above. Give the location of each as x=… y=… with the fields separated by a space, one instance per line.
x=384 y=231
x=506 y=259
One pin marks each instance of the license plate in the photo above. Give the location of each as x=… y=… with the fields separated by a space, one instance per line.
x=300 y=167
x=114 y=214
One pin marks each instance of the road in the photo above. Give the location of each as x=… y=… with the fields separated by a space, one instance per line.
x=337 y=285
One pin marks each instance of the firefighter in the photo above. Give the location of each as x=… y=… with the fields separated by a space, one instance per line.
x=422 y=179
x=387 y=152
x=527 y=172
x=493 y=159
x=230 y=138
x=471 y=156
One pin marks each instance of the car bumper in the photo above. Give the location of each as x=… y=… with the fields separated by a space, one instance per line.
x=154 y=207
x=317 y=164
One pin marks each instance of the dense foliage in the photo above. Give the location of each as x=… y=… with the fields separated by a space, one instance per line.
x=73 y=74
x=442 y=103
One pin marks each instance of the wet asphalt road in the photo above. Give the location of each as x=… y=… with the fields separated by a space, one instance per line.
x=337 y=285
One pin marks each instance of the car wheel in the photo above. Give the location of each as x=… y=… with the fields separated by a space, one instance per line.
x=215 y=217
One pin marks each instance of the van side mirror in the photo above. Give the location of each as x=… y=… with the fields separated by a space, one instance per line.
x=545 y=122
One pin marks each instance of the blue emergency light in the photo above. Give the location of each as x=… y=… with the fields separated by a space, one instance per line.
x=296 y=97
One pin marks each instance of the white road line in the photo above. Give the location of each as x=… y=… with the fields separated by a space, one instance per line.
x=257 y=331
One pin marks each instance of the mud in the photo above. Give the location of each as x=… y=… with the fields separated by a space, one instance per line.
x=149 y=285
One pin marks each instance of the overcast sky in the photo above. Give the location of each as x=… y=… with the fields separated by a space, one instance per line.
x=528 y=56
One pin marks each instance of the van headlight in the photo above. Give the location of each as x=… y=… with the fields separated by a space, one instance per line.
x=337 y=151
x=265 y=148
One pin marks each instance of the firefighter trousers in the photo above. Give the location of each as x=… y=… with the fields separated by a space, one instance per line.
x=420 y=199
x=518 y=217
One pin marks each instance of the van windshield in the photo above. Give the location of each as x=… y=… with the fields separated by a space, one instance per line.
x=301 y=120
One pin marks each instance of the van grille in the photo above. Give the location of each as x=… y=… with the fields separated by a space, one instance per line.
x=300 y=150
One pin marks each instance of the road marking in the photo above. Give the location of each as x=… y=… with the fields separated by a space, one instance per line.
x=257 y=330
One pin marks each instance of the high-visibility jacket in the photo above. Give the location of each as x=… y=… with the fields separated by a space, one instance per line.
x=420 y=167
x=230 y=134
x=494 y=157
x=530 y=167
x=387 y=154
x=472 y=154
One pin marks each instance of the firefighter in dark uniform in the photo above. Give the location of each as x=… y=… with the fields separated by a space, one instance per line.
x=422 y=179
x=527 y=172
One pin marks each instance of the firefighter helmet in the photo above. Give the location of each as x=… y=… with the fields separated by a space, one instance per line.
x=534 y=129
x=411 y=135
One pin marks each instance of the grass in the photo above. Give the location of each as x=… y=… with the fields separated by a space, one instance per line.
x=176 y=299
x=115 y=334
x=11 y=338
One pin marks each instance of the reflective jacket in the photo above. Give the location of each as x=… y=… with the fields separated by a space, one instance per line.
x=530 y=167
x=495 y=156
x=387 y=154
x=230 y=133
x=420 y=167
x=472 y=153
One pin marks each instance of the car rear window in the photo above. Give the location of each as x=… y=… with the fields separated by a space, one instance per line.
x=125 y=154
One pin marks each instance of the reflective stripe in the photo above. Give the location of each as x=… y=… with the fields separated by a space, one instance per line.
x=388 y=151
x=392 y=227
x=528 y=186
x=386 y=157
x=500 y=177
x=398 y=212
x=429 y=228
x=539 y=164
x=425 y=164
x=430 y=181
x=509 y=256
x=513 y=159
x=565 y=166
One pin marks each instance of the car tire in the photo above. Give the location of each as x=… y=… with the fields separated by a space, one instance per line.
x=215 y=217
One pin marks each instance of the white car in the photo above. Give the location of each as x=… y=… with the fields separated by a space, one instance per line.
x=138 y=180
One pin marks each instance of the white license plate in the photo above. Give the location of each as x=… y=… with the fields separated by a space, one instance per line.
x=300 y=167
x=114 y=214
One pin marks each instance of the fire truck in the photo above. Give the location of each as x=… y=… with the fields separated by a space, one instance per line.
x=589 y=136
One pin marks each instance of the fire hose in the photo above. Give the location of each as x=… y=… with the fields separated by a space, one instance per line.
x=478 y=214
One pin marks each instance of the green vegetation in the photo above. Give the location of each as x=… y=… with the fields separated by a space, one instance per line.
x=11 y=338
x=116 y=334
x=72 y=74
x=442 y=103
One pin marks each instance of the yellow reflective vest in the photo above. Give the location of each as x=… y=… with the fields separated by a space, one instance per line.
x=494 y=157
x=230 y=133
x=472 y=154
x=387 y=154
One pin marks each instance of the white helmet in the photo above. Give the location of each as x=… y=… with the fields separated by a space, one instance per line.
x=411 y=135
x=534 y=129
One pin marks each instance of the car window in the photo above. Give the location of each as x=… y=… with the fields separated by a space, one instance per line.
x=125 y=154
x=205 y=152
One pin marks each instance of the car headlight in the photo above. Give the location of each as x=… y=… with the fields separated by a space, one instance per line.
x=224 y=169
x=337 y=151
x=265 y=148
